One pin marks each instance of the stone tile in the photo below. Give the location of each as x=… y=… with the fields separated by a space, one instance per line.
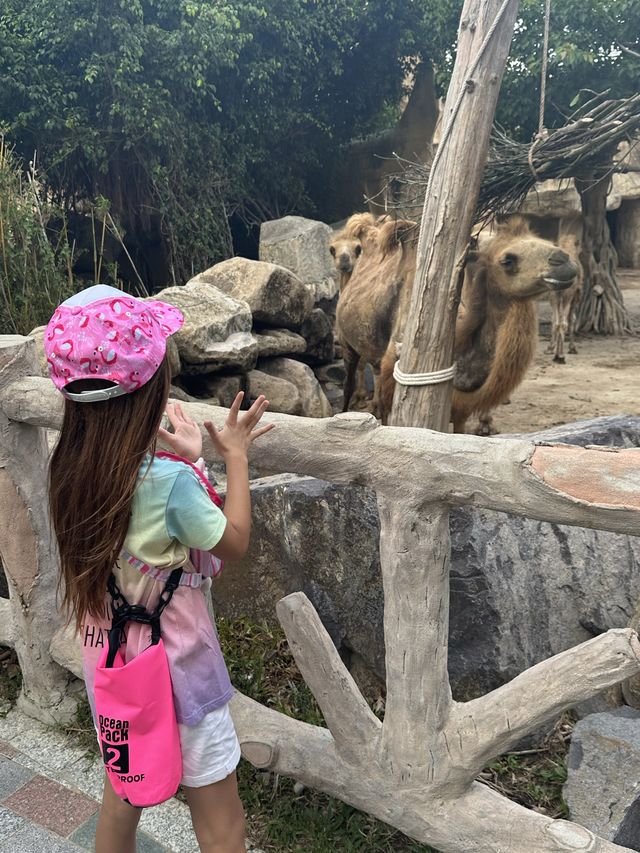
x=34 y=839
x=50 y=804
x=85 y=837
x=146 y=844
x=171 y=822
x=12 y=777
x=9 y=822
x=7 y=750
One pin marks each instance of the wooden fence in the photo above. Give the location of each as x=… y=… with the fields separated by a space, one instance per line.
x=417 y=769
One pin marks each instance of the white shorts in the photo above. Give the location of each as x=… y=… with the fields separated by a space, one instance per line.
x=210 y=749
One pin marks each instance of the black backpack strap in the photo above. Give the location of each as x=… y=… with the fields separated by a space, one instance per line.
x=124 y=612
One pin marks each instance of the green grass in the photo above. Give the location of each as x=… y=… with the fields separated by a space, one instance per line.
x=281 y=817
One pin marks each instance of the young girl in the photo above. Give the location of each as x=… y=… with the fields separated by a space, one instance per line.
x=116 y=507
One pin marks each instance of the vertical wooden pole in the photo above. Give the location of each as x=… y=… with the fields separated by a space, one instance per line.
x=448 y=211
x=29 y=552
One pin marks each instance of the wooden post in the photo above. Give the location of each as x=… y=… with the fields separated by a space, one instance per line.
x=448 y=213
x=29 y=553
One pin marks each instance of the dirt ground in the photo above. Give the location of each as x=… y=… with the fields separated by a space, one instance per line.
x=602 y=379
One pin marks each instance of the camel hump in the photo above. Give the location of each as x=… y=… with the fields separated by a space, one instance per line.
x=358 y=226
x=400 y=232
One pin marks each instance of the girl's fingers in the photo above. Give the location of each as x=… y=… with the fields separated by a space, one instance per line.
x=164 y=434
x=261 y=431
x=232 y=418
x=256 y=411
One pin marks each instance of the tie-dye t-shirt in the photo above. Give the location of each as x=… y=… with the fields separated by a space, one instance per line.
x=171 y=513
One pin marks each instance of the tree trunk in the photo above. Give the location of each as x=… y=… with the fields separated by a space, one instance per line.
x=449 y=207
x=601 y=308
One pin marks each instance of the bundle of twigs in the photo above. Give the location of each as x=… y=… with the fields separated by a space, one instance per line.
x=583 y=148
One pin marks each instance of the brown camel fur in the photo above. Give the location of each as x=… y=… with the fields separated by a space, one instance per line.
x=346 y=248
x=496 y=329
x=564 y=304
x=367 y=306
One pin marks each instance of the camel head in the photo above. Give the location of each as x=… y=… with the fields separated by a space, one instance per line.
x=347 y=246
x=345 y=253
x=521 y=266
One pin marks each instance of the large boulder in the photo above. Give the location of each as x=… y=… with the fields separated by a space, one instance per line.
x=314 y=401
x=317 y=330
x=273 y=342
x=603 y=771
x=302 y=246
x=521 y=590
x=222 y=387
x=275 y=295
x=553 y=198
x=283 y=396
x=628 y=233
x=217 y=328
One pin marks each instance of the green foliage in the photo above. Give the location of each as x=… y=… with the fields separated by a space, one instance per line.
x=182 y=112
x=585 y=52
x=35 y=260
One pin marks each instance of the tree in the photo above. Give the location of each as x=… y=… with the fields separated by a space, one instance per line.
x=181 y=112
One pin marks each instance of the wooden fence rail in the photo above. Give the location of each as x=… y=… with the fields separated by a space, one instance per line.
x=416 y=770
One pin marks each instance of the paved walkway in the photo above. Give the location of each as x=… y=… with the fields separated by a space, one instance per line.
x=49 y=796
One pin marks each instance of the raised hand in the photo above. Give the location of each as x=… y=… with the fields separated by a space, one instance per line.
x=186 y=438
x=240 y=430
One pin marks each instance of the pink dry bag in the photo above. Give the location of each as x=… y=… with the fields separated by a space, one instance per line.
x=135 y=713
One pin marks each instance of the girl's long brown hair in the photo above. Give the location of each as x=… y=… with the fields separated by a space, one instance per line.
x=92 y=478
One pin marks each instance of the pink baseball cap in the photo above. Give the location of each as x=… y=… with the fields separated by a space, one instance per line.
x=104 y=333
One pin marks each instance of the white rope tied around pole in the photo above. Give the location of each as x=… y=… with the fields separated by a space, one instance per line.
x=434 y=378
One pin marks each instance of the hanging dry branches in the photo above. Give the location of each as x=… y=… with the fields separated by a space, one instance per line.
x=582 y=149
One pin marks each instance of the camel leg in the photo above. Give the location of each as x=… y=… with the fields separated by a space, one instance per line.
x=553 y=301
x=351 y=360
x=486 y=425
x=360 y=394
x=384 y=385
x=571 y=332
x=377 y=409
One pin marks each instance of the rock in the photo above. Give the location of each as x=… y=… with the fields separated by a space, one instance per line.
x=273 y=342
x=331 y=372
x=302 y=246
x=317 y=330
x=275 y=295
x=314 y=402
x=323 y=539
x=521 y=590
x=217 y=328
x=216 y=386
x=38 y=335
x=602 y=789
x=628 y=234
x=179 y=394
x=283 y=396
x=553 y=198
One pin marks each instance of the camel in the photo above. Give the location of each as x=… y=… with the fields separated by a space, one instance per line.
x=367 y=304
x=564 y=304
x=360 y=233
x=496 y=328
